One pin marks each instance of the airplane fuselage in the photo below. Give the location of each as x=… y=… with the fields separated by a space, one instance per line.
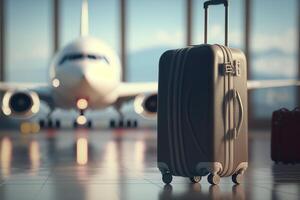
x=85 y=69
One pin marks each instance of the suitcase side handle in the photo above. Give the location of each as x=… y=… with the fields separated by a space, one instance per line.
x=215 y=2
x=236 y=130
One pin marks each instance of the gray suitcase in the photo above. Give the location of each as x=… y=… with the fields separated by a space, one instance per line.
x=202 y=111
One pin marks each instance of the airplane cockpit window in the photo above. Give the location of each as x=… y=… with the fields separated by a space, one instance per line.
x=78 y=56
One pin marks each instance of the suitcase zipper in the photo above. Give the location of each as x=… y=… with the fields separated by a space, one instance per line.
x=231 y=112
x=235 y=96
x=225 y=112
x=228 y=72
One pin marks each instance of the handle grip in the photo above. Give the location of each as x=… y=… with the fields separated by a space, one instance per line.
x=236 y=130
x=215 y=2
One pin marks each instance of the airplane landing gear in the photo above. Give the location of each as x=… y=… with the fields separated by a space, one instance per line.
x=129 y=123
x=50 y=123
x=89 y=124
x=82 y=121
x=122 y=123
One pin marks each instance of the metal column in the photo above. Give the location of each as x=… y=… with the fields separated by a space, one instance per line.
x=56 y=18
x=189 y=21
x=123 y=15
x=2 y=40
x=247 y=38
x=247 y=32
x=298 y=14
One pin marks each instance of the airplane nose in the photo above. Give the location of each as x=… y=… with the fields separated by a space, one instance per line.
x=71 y=76
x=82 y=79
x=79 y=73
x=87 y=78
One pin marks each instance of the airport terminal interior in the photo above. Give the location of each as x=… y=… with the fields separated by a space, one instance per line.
x=82 y=153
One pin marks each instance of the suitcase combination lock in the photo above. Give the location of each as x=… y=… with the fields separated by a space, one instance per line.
x=232 y=68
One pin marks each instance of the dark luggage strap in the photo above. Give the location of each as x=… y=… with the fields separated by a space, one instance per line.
x=215 y=2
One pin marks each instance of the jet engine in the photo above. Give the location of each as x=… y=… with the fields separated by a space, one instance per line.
x=146 y=105
x=20 y=103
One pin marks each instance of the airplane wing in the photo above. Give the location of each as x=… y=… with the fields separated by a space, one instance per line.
x=127 y=90
x=254 y=84
x=8 y=86
x=134 y=89
x=145 y=95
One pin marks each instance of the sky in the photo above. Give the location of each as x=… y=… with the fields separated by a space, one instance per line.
x=151 y=23
x=153 y=27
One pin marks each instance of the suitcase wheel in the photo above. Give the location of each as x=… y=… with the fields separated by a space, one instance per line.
x=167 y=178
x=237 y=178
x=213 y=179
x=195 y=179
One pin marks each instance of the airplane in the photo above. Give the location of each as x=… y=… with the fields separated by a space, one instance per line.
x=86 y=74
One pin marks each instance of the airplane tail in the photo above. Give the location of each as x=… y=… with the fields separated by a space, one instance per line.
x=84 y=26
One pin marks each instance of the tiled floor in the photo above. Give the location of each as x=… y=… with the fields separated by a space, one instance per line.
x=121 y=164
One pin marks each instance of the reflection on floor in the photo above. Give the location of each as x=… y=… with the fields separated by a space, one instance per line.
x=121 y=164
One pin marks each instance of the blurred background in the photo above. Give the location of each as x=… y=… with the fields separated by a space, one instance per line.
x=122 y=163
x=140 y=31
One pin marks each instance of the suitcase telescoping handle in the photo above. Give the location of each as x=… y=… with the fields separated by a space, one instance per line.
x=215 y=2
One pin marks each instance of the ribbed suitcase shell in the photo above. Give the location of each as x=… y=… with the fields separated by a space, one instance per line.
x=194 y=99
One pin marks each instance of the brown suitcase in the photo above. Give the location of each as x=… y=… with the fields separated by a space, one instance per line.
x=202 y=111
x=285 y=136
